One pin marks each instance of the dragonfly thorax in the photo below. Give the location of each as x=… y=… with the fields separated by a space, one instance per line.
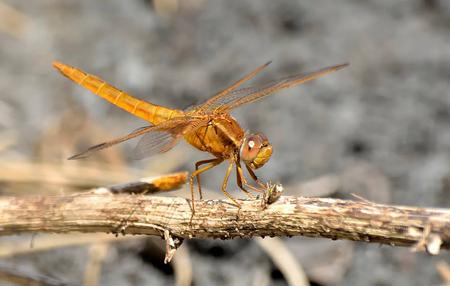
x=255 y=150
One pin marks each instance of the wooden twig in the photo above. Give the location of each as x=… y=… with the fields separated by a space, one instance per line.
x=284 y=260
x=288 y=216
x=51 y=241
x=93 y=268
x=444 y=271
x=182 y=265
x=22 y=278
x=12 y=21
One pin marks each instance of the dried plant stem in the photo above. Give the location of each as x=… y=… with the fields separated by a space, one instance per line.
x=444 y=271
x=12 y=21
x=285 y=261
x=289 y=216
x=25 y=278
x=93 y=269
x=52 y=241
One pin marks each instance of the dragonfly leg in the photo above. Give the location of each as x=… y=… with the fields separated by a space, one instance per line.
x=241 y=181
x=254 y=177
x=225 y=183
x=197 y=165
x=197 y=172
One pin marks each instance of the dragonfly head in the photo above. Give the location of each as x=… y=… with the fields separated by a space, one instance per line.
x=255 y=150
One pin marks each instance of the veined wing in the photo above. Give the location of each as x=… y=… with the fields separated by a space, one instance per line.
x=219 y=96
x=246 y=95
x=154 y=142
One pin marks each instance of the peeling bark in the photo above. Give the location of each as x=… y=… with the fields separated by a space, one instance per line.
x=289 y=216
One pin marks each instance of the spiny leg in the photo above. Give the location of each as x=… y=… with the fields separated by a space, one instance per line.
x=253 y=175
x=253 y=188
x=241 y=181
x=225 y=182
x=197 y=172
x=197 y=165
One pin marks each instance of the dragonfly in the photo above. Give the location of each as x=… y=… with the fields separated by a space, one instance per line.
x=208 y=126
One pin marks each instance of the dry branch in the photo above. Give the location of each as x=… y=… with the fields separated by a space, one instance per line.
x=25 y=278
x=289 y=216
x=444 y=271
x=40 y=243
x=285 y=260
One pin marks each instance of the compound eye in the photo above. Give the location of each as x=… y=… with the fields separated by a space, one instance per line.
x=250 y=148
x=263 y=139
x=251 y=144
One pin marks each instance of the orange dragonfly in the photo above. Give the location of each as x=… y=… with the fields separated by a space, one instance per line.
x=208 y=127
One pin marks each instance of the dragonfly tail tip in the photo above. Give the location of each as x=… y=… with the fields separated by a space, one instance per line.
x=58 y=65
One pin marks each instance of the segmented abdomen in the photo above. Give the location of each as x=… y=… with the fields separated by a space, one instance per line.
x=152 y=113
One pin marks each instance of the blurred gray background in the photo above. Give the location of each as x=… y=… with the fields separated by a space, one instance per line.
x=379 y=128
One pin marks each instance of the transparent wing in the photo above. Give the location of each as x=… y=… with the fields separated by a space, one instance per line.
x=154 y=143
x=175 y=127
x=234 y=95
x=218 y=97
x=246 y=95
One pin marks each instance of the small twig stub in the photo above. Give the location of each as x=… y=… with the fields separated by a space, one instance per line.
x=172 y=244
x=272 y=194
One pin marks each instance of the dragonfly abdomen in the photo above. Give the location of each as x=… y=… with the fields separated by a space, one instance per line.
x=152 y=113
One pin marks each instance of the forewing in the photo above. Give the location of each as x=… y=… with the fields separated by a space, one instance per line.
x=233 y=96
x=250 y=94
x=207 y=105
x=175 y=127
